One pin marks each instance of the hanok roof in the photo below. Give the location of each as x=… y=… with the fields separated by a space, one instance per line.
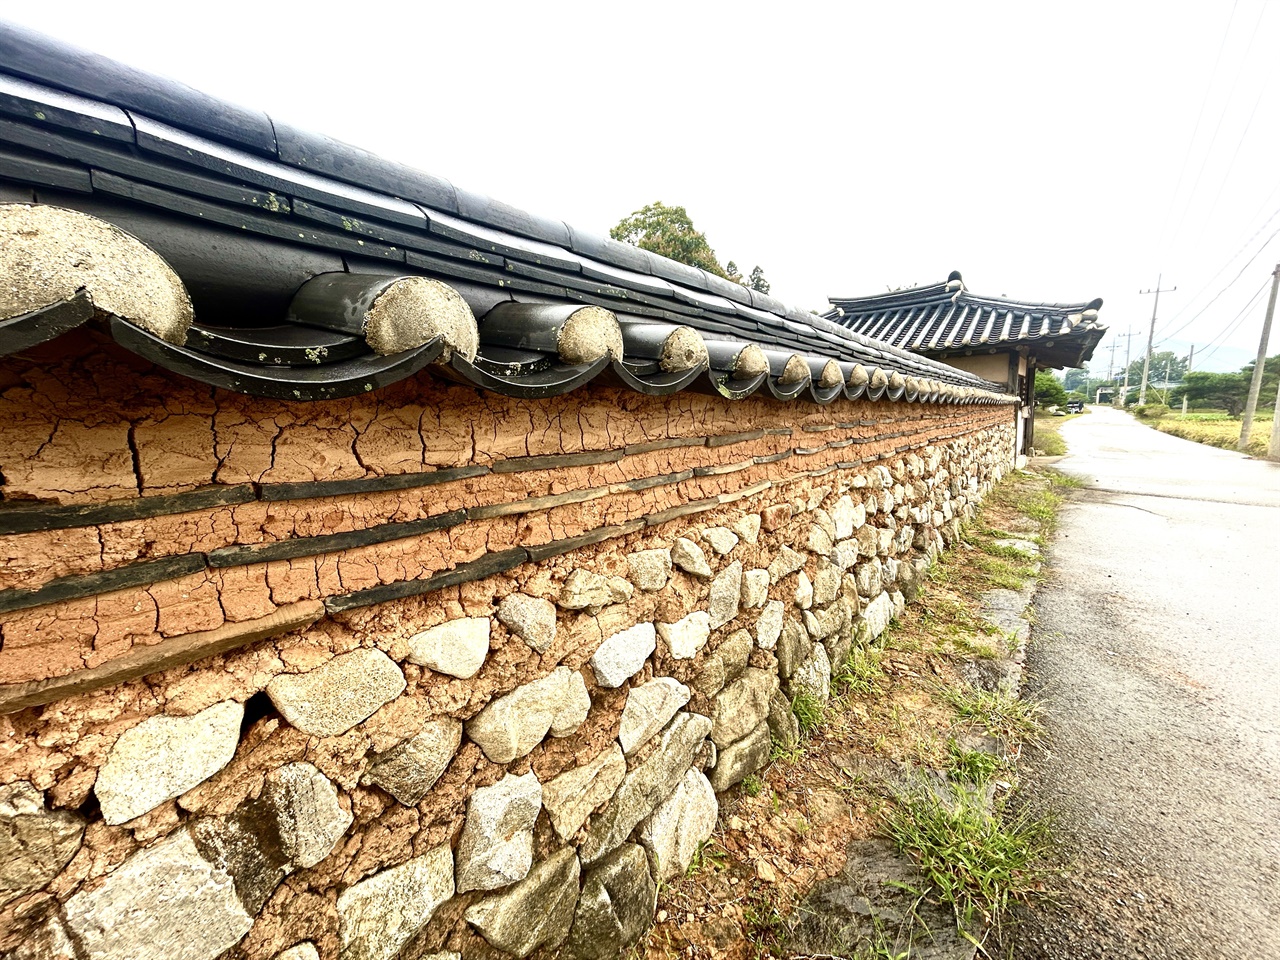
x=945 y=319
x=258 y=218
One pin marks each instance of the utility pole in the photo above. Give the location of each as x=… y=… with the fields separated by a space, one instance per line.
x=1146 y=364
x=1255 y=384
x=1190 y=359
x=1128 y=342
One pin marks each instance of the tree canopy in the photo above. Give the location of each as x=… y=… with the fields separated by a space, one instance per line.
x=1230 y=391
x=1049 y=389
x=669 y=232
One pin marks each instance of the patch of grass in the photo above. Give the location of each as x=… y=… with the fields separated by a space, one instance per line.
x=809 y=711
x=1005 y=551
x=977 y=861
x=752 y=785
x=761 y=918
x=777 y=751
x=1001 y=573
x=1057 y=478
x=1223 y=433
x=972 y=766
x=709 y=854
x=860 y=672
x=1017 y=721
x=1042 y=506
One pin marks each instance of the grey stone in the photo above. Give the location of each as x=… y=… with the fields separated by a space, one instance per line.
x=164 y=757
x=620 y=589
x=769 y=626
x=378 y=916
x=650 y=569
x=826 y=583
x=845 y=554
x=784 y=728
x=335 y=697
x=726 y=593
x=787 y=562
x=515 y=723
x=794 y=647
x=747 y=527
x=496 y=846
x=35 y=843
x=532 y=619
x=722 y=539
x=407 y=771
x=909 y=580
x=616 y=906
x=584 y=590
x=536 y=912
x=819 y=541
x=457 y=648
x=812 y=678
x=884 y=541
x=742 y=706
x=570 y=797
x=899 y=603
x=165 y=902
x=620 y=657
x=868 y=577
x=299 y=951
x=672 y=834
x=646 y=786
x=734 y=653
x=310 y=819
x=48 y=941
x=804 y=591
x=709 y=679
x=649 y=708
x=877 y=615
x=823 y=520
x=847 y=517
x=755 y=588
x=740 y=759
x=688 y=556
x=822 y=624
x=868 y=538
x=686 y=636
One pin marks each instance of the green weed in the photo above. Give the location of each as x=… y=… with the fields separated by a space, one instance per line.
x=860 y=672
x=972 y=766
x=977 y=861
x=809 y=711
x=1001 y=715
x=752 y=785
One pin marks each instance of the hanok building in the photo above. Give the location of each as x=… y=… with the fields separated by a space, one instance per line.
x=380 y=563
x=995 y=338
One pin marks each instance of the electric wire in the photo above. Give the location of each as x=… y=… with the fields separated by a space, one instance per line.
x=1195 y=131
x=1230 y=284
x=1239 y=319
x=1213 y=139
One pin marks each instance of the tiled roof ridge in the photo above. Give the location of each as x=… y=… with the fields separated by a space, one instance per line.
x=268 y=179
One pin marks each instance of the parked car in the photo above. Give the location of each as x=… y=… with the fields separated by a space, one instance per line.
x=1075 y=406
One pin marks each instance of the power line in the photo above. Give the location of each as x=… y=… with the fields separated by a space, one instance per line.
x=1232 y=282
x=1196 y=129
x=1234 y=324
x=1218 y=126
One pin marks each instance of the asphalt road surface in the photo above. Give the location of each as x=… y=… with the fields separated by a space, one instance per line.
x=1157 y=655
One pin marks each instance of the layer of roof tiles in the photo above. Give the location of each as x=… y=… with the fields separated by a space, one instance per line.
x=277 y=235
x=944 y=319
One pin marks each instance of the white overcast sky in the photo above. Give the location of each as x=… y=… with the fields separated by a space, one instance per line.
x=1049 y=152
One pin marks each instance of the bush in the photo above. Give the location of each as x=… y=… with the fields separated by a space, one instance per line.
x=1151 y=411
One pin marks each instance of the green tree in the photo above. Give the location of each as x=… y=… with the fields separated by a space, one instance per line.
x=757 y=282
x=1160 y=362
x=1049 y=389
x=731 y=272
x=1226 y=390
x=668 y=232
x=1077 y=378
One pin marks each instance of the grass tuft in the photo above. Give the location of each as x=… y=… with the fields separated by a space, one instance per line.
x=977 y=860
x=860 y=672
x=1017 y=721
x=971 y=766
x=809 y=711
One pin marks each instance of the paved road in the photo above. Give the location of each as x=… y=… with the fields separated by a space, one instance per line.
x=1157 y=650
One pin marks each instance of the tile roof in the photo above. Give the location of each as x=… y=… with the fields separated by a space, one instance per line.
x=256 y=217
x=944 y=319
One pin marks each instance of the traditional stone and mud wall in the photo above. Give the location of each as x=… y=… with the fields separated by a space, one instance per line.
x=424 y=672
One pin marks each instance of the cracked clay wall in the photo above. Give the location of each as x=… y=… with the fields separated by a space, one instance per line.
x=426 y=671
